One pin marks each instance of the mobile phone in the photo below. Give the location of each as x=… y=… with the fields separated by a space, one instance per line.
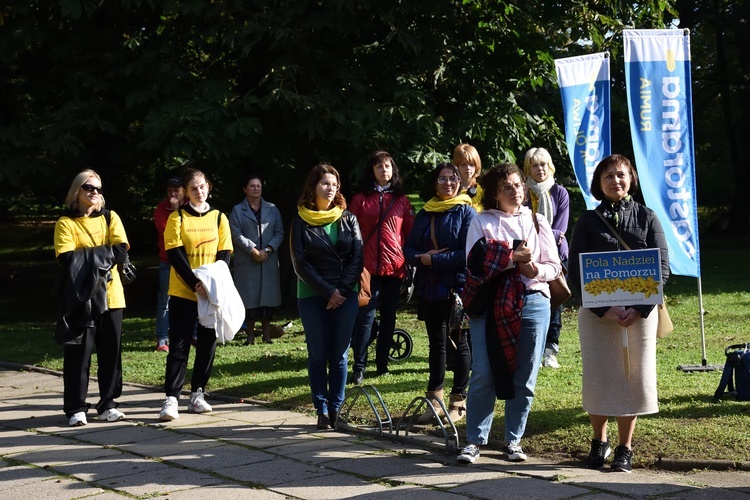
x=518 y=243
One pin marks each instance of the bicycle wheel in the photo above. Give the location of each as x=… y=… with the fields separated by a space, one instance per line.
x=402 y=345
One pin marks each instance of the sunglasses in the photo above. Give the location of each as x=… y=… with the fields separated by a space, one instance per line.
x=90 y=188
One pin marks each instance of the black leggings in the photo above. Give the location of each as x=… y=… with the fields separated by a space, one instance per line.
x=436 y=316
x=183 y=318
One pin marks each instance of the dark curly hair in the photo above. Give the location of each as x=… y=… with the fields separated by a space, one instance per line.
x=491 y=180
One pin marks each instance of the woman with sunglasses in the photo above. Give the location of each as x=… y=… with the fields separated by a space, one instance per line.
x=435 y=246
x=90 y=244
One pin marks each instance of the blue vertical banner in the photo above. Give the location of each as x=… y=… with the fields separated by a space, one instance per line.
x=657 y=78
x=584 y=86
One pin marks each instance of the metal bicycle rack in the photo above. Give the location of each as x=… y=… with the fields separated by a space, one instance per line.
x=364 y=390
x=407 y=419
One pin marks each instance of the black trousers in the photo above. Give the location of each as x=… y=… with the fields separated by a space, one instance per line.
x=183 y=318
x=106 y=337
x=442 y=352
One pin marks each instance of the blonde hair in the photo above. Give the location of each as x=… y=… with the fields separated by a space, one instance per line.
x=466 y=153
x=535 y=156
x=71 y=201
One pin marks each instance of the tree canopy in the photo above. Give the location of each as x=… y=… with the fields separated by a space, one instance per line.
x=135 y=88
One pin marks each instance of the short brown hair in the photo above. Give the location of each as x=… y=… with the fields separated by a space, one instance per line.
x=614 y=160
x=307 y=198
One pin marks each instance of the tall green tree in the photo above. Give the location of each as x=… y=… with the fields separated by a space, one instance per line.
x=134 y=87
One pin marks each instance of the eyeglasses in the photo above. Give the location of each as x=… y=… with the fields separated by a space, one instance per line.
x=512 y=188
x=90 y=188
x=445 y=180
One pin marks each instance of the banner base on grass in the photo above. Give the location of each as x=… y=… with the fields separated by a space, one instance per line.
x=700 y=368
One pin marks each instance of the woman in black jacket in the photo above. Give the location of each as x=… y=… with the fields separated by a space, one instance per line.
x=612 y=388
x=326 y=250
x=435 y=246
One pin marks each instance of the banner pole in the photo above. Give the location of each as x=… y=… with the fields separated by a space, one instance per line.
x=704 y=361
x=704 y=366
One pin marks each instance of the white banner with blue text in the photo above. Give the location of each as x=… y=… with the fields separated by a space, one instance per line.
x=584 y=86
x=657 y=78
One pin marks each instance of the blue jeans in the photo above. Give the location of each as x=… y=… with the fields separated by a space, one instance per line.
x=162 y=303
x=480 y=404
x=385 y=291
x=328 y=333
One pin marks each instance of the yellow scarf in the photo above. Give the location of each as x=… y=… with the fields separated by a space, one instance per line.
x=435 y=205
x=319 y=217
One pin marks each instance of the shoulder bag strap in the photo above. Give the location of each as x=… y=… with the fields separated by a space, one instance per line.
x=612 y=229
x=432 y=232
x=380 y=221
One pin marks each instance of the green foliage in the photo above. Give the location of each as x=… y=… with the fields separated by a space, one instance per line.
x=277 y=86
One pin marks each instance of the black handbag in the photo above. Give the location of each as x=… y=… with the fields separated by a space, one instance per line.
x=456 y=318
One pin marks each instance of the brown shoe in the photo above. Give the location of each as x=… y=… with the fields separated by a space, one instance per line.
x=324 y=422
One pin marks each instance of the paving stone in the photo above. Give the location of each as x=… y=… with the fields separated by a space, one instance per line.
x=67 y=453
x=18 y=441
x=316 y=451
x=60 y=488
x=224 y=491
x=117 y=465
x=739 y=480
x=522 y=488
x=275 y=472
x=330 y=486
x=639 y=484
x=219 y=458
x=160 y=482
x=167 y=443
x=14 y=476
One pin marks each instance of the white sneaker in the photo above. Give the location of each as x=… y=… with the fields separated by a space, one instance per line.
x=112 y=415
x=197 y=404
x=169 y=409
x=77 y=419
x=515 y=453
x=549 y=359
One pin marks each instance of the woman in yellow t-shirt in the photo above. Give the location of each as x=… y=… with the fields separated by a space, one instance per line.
x=196 y=234
x=90 y=243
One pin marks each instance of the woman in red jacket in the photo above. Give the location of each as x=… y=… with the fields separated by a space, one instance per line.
x=385 y=218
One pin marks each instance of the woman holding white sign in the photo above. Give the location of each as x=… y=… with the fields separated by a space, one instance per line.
x=615 y=385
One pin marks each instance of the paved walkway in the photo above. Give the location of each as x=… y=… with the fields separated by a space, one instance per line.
x=243 y=450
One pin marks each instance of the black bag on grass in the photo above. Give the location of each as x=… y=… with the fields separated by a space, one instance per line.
x=738 y=364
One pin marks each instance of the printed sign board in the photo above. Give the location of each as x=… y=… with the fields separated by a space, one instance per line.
x=624 y=278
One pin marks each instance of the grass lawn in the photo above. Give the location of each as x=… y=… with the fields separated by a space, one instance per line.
x=688 y=425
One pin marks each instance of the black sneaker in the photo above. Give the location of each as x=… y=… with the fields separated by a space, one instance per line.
x=358 y=377
x=468 y=454
x=600 y=450
x=623 y=461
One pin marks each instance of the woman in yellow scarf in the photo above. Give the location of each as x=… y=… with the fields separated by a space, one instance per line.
x=436 y=247
x=326 y=250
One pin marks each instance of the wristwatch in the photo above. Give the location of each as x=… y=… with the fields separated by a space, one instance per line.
x=269 y=250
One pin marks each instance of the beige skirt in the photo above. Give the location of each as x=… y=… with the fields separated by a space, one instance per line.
x=607 y=389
